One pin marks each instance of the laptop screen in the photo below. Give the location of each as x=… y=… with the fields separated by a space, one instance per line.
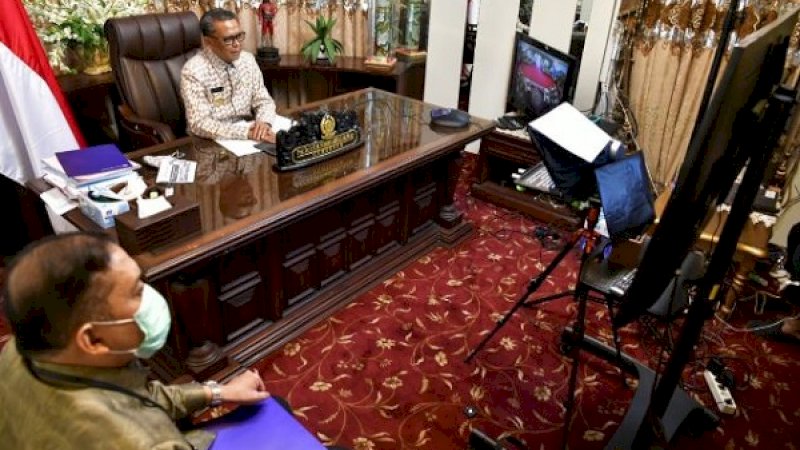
x=626 y=196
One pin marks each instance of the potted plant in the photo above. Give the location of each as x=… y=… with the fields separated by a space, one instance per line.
x=322 y=47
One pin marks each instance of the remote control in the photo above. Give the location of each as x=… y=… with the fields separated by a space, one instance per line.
x=722 y=396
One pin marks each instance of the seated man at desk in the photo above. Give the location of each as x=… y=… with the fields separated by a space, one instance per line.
x=222 y=86
x=81 y=316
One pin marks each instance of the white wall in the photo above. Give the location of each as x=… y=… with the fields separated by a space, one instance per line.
x=494 y=49
x=551 y=22
x=446 y=28
x=595 y=55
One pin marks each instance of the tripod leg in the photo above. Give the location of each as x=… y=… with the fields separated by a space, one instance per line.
x=569 y=406
x=572 y=346
x=539 y=301
x=532 y=287
x=615 y=336
x=496 y=328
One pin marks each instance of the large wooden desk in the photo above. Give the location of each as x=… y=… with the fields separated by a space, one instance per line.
x=279 y=252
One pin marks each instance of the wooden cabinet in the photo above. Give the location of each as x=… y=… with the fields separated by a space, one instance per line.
x=501 y=155
x=348 y=74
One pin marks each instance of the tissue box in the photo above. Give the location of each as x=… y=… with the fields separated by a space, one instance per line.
x=102 y=212
x=137 y=235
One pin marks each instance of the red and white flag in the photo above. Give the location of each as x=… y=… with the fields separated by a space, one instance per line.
x=35 y=119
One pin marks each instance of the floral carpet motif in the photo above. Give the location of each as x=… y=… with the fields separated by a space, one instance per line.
x=388 y=370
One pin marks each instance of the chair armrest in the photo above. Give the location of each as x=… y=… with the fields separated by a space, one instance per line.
x=144 y=132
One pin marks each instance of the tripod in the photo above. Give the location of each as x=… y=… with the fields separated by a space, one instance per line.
x=590 y=236
x=571 y=337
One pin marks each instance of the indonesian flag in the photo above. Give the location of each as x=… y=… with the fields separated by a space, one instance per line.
x=35 y=120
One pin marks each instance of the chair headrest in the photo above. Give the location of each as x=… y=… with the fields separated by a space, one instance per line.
x=153 y=36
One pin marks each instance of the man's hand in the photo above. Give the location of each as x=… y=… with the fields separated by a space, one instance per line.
x=261 y=131
x=247 y=388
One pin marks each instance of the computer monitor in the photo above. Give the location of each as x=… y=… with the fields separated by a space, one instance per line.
x=712 y=161
x=541 y=77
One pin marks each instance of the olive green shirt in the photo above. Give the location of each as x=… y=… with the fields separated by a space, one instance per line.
x=55 y=415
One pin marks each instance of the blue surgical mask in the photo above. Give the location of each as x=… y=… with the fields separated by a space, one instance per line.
x=153 y=320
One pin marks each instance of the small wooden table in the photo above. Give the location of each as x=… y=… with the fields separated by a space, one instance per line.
x=503 y=153
x=751 y=247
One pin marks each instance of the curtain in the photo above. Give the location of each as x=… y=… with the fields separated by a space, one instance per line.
x=672 y=55
x=291 y=31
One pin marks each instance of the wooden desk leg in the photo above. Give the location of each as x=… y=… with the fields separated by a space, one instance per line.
x=449 y=215
x=453 y=227
x=738 y=283
x=192 y=303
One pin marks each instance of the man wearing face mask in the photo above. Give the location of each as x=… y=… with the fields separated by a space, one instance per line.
x=81 y=316
x=222 y=86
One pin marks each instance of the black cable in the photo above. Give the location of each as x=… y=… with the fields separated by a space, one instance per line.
x=42 y=375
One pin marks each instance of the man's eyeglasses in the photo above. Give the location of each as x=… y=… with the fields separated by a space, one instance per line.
x=230 y=40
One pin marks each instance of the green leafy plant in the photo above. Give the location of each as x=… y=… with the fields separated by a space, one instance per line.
x=322 y=40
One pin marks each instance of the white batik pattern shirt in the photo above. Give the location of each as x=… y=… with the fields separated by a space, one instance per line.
x=220 y=97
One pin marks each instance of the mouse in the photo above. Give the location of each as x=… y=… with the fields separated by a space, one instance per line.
x=266 y=147
x=449 y=117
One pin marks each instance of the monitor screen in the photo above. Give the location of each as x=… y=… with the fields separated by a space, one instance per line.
x=712 y=161
x=541 y=77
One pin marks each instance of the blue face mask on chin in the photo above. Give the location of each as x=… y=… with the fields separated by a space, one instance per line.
x=152 y=318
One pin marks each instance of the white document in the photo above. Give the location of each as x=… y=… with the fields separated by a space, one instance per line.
x=573 y=131
x=242 y=147
x=57 y=201
x=176 y=171
x=239 y=147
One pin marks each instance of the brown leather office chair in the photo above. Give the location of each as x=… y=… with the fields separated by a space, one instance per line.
x=147 y=54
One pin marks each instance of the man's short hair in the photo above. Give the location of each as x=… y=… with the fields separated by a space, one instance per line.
x=51 y=290
x=214 y=15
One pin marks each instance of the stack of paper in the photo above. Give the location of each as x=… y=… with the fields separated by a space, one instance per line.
x=243 y=147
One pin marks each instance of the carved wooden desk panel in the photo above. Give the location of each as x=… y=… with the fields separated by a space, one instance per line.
x=279 y=252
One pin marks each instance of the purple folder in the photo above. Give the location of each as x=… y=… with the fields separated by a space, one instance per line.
x=265 y=426
x=88 y=163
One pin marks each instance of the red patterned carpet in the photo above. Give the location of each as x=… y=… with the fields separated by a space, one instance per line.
x=387 y=371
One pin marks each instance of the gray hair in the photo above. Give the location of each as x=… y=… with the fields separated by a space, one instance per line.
x=214 y=15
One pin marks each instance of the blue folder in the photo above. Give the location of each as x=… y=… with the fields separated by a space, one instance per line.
x=265 y=426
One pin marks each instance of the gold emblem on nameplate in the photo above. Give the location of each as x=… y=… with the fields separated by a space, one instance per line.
x=327 y=127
